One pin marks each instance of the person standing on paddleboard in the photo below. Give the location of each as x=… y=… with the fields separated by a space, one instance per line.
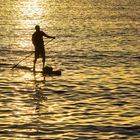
x=37 y=40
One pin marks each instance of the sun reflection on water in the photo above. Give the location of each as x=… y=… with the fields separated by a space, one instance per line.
x=98 y=93
x=31 y=9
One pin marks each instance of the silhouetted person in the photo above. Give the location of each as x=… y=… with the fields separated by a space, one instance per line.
x=37 y=39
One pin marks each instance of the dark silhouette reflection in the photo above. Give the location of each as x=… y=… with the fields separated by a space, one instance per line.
x=39 y=97
x=37 y=40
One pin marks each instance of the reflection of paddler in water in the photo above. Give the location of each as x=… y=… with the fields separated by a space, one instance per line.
x=37 y=39
x=39 y=97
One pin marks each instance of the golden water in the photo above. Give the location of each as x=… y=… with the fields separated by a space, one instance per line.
x=98 y=50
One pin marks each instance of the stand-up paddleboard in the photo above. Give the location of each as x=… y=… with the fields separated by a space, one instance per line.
x=45 y=71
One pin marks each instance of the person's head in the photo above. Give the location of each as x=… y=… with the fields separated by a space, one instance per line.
x=37 y=27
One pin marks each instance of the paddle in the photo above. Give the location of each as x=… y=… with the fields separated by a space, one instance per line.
x=22 y=60
x=27 y=56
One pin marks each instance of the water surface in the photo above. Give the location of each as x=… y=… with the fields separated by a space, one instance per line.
x=96 y=47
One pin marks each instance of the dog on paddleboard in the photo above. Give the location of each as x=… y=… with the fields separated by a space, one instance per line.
x=49 y=71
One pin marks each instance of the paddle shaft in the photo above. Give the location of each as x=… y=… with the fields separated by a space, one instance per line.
x=22 y=60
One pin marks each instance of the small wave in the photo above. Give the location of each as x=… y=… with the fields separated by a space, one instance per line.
x=132 y=130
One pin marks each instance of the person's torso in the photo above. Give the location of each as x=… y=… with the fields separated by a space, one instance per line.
x=37 y=38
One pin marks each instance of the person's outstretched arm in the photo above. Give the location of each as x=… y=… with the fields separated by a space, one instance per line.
x=44 y=34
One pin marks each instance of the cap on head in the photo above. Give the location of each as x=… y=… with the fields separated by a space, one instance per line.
x=37 y=27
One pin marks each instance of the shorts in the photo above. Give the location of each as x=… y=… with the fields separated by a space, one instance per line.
x=39 y=52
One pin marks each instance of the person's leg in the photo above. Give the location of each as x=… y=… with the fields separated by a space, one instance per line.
x=34 y=64
x=43 y=58
x=35 y=59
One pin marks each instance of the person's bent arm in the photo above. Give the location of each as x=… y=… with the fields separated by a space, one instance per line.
x=48 y=36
